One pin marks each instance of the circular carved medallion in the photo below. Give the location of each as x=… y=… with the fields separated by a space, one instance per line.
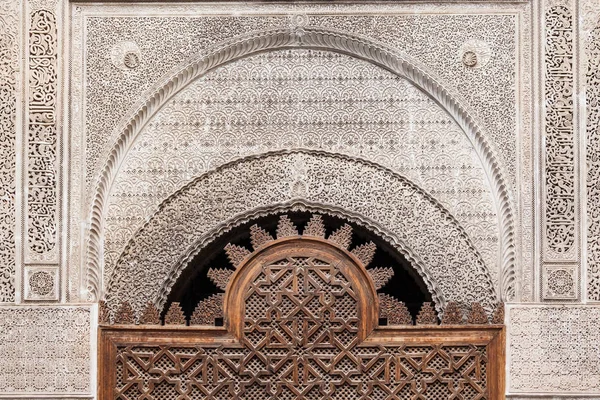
x=41 y=283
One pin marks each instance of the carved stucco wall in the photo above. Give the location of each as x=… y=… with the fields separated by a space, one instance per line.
x=412 y=221
x=554 y=349
x=490 y=69
x=46 y=350
x=128 y=55
x=303 y=99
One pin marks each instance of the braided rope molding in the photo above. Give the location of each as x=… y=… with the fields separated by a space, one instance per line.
x=319 y=39
x=297 y=204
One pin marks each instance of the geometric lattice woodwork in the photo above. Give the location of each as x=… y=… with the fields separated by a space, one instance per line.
x=286 y=228
x=258 y=236
x=301 y=319
x=427 y=315
x=236 y=254
x=365 y=253
x=124 y=314
x=174 y=315
x=150 y=315
x=498 y=316
x=477 y=315
x=453 y=315
x=342 y=237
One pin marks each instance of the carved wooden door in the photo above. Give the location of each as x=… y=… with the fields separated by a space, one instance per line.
x=301 y=322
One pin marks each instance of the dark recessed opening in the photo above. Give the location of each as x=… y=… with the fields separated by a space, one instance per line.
x=193 y=284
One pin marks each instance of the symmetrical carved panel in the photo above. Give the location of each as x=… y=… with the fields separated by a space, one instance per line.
x=560 y=282
x=301 y=315
x=302 y=99
x=9 y=56
x=41 y=282
x=438 y=70
x=45 y=350
x=210 y=204
x=593 y=161
x=42 y=134
x=560 y=181
x=554 y=349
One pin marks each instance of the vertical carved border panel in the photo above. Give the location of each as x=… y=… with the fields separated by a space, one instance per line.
x=9 y=56
x=560 y=158
x=41 y=177
x=591 y=71
x=41 y=158
x=41 y=137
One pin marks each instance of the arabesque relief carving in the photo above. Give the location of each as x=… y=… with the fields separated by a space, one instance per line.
x=9 y=56
x=593 y=161
x=560 y=203
x=498 y=189
x=196 y=214
x=42 y=133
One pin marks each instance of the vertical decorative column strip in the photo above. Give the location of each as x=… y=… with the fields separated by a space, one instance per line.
x=560 y=277
x=9 y=58
x=41 y=143
x=41 y=271
x=592 y=95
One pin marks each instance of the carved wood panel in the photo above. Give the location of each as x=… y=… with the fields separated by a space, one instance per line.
x=301 y=315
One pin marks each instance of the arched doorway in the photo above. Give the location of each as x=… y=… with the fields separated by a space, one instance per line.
x=301 y=313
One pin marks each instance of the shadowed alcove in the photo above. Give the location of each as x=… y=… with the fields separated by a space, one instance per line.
x=193 y=285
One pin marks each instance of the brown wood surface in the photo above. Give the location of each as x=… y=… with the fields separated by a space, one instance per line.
x=301 y=318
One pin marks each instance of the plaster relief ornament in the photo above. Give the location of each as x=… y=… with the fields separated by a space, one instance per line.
x=475 y=53
x=41 y=283
x=126 y=55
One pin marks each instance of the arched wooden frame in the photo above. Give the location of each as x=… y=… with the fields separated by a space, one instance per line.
x=324 y=343
x=351 y=267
